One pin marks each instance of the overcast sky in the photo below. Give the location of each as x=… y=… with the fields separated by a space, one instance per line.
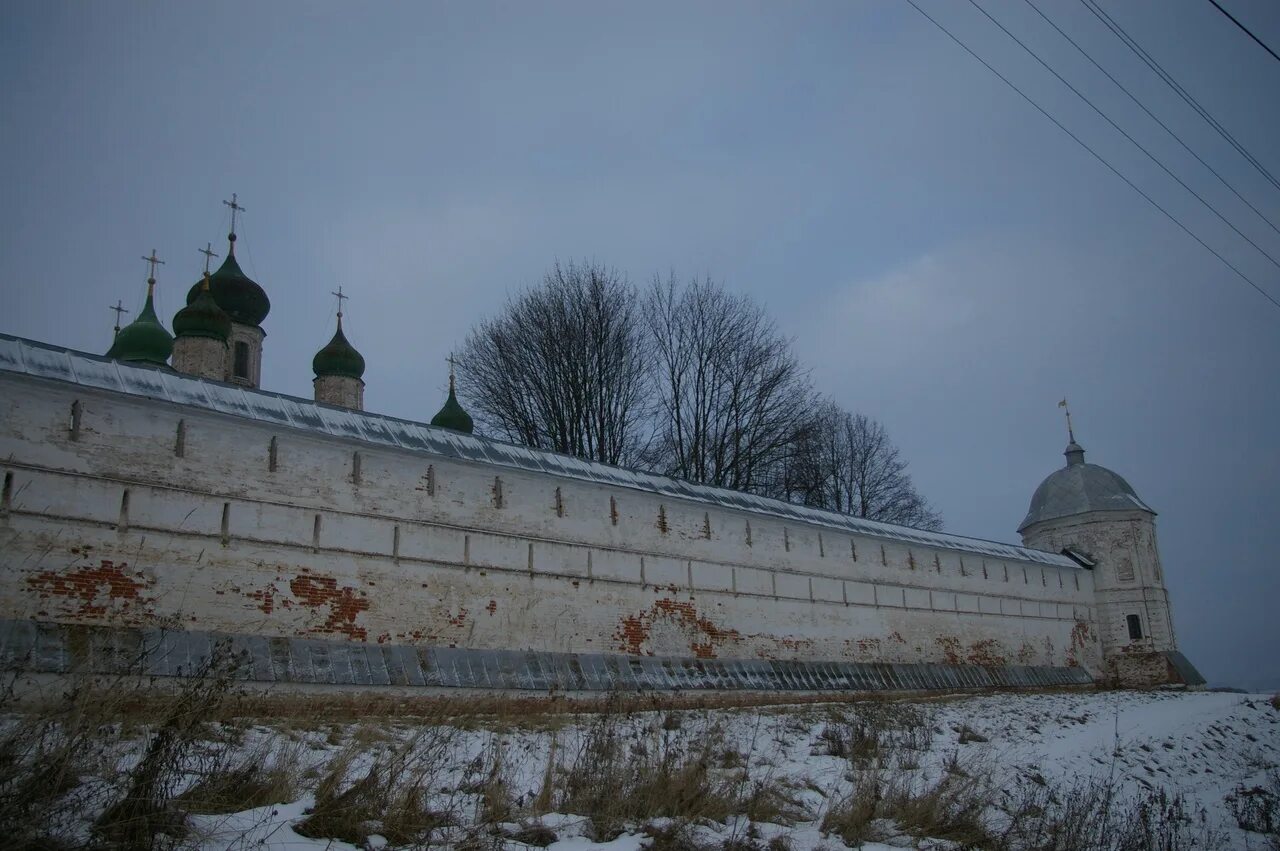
x=946 y=259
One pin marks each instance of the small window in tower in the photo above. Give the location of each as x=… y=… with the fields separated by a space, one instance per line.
x=1135 y=628
x=240 y=369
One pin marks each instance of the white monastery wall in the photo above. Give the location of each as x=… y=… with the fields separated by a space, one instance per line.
x=141 y=512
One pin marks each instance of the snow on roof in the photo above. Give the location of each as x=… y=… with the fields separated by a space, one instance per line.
x=40 y=360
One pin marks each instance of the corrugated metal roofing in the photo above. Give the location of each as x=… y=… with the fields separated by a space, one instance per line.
x=61 y=648
x=41 y=360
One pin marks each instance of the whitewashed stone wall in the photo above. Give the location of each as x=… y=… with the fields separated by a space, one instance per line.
x=151 y=512
x=340 y=390
x=203 y=357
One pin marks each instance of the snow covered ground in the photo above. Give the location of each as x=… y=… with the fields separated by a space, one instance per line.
x=771 y=778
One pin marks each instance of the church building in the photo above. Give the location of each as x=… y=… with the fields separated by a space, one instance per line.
x=161 y=511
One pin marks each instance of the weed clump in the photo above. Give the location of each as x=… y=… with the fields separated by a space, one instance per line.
x=388 y=797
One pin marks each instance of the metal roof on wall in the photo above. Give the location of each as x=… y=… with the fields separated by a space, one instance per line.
x=40 y=360
x=55 y=648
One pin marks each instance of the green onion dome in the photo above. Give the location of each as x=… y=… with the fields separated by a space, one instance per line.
x=339 y=357
x=144 y=340
x=202 y=317
x=236 y=293
x=452 y=416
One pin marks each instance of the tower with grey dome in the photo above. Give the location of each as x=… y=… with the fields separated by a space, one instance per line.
x=1091 y=514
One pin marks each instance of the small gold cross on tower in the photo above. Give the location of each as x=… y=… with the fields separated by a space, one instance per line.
x=207 y=251
x=453 y=362
x=119 y=309
x=235 y=208
x=341 y=298
x=153 y=261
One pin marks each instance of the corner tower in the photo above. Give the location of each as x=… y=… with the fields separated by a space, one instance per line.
x=246 y=303
x=1093 y=515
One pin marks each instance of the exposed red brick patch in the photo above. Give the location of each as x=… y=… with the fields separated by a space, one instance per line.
x=457 y=620
x=633 y=630
x=345 y=604
x=265 y=598
x=1079 y=640
x=1027 y=653
x=492 y=607
x=867 y=648
x=987 y=653
x=950 y=647
x=796 y=645
x=97 y=588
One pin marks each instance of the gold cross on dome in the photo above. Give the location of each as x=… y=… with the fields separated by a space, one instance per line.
x=341 y=298
x=235 y=208
x=208 y=253
x=119 y=308
x=153 y=262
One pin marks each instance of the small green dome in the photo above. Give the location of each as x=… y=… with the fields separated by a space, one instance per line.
x=338 y=358
x=452 y=416
x=144 y=340
x=202 y=318
x=234 y=291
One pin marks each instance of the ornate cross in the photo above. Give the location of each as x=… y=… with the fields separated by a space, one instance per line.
x=453 y=362
x=207 y=251
x=154 y=261
x=235 y=208
x=341 y=298
x=119 y=309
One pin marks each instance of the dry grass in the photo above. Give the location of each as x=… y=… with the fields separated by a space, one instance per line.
x=618 y=775
x=233 y=780
x=624 y=762
x=59 y=780
x=1257 y=808
x=384 y=791
x=883 y=802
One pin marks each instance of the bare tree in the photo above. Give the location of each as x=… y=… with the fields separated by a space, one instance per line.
x=731 y=397
x=564 y=367
x=846 y=462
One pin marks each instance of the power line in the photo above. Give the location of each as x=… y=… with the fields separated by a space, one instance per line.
x=1245 y=30
x=1122 y=132
x=1097 y=156
x=1155 y=66
x=1152 y=115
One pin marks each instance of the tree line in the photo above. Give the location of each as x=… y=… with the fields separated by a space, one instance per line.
x=681 y=378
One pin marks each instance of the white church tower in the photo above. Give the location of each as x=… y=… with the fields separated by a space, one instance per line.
x=339 y=369
x=1093 y=515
